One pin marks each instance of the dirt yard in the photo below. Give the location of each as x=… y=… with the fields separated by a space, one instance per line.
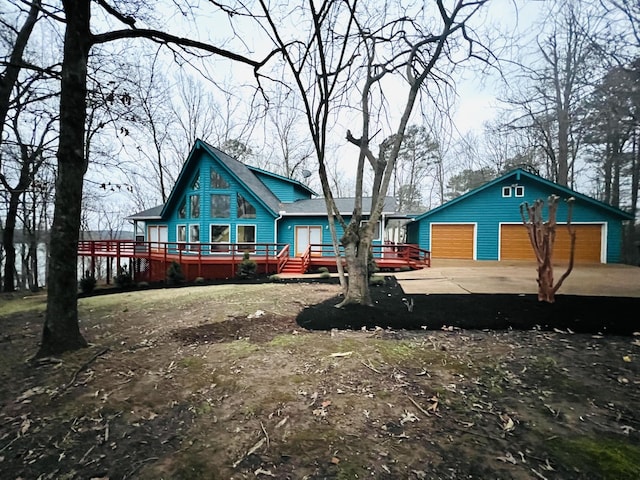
x=255 y=381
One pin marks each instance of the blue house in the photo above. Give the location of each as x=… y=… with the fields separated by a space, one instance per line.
x=220 y=207
x=486 y=224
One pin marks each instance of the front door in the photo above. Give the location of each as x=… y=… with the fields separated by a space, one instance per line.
x=307 y=235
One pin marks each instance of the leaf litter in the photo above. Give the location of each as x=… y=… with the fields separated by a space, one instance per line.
x=210 y=390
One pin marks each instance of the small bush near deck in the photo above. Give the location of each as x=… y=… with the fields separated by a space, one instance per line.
x=323 y=270
x=247 y=268
x=174 y=274
x=376 y=280
x=123 y=279
x=87 y=283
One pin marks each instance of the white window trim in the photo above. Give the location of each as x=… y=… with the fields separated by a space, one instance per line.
x=506 y=192
x=199 y=233
x=379 y=237
x=181 y=244
x=228 y=225
x=255 y=234
x=521 y=189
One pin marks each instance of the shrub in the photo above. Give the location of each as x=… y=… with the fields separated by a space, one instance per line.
x=376 y=280
x=87 y=283
x=199 y=281
x=323 y=270
x=174 y=274
x=325 y=275
x=248 y=267
x=123 y=279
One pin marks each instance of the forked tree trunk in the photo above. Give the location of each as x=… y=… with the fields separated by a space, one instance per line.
x=356 y=252
x=542 y=235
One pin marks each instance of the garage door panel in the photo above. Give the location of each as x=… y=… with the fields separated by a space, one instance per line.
x=515 y=244
x=452 y=241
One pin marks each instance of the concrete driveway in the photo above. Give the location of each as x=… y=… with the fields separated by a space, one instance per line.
x=466 y=276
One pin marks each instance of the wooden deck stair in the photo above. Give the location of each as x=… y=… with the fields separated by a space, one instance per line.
x=293 y=265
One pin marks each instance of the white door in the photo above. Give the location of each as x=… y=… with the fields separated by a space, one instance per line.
x=307 y=235
x=158 y=236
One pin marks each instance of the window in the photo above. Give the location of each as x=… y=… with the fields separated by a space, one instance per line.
x=194 y=206
x=220 y=206
x=519 y=191
x=194 y=233
x=245 y=209
x=181 y=234
x=245 y=236
x=506 y=191
x=182 y=209
x=195 y=185
x=220 y=234
x=376 y=231
x=217 y=181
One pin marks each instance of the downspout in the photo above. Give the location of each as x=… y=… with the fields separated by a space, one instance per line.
x=275 y=226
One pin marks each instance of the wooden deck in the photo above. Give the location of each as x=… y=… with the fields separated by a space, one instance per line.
x=149 y=261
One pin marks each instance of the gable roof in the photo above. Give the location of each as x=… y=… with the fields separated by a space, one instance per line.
x=317 y=206
x=280 y=177
x=148 y=214
x=518 y=173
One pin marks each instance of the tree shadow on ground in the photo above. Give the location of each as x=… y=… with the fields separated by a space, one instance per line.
x=393 y=309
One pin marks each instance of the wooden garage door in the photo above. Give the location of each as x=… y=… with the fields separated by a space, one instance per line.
x=452 y=241
x=515 y=244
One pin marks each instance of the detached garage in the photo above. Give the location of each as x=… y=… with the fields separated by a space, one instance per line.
x=485 y=223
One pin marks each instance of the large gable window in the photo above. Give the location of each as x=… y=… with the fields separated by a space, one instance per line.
x=245 y=209
x=220 y=235
x=220 y=206
x=195 y=185
x=182 y=209
x=194 y=206
x=246 y=238
x=217 y=181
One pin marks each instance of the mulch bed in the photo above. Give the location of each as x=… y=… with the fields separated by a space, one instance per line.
x=580 y=314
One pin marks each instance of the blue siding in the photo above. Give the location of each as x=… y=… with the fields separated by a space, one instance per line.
x=286 y=191
x=487 y=208
x=287 y=228
x=264 y=220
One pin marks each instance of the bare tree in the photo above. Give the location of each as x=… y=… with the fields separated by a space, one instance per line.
x=61 y=330
x=24 y=152
x=556 y=85
x=352 y=47
x=542 y=234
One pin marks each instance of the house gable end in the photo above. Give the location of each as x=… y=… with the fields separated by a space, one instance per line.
x=544 y=189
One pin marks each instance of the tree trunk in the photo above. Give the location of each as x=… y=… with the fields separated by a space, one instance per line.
x=356 y=251
x=61 y=330
x=8 y=243
x=546 y=292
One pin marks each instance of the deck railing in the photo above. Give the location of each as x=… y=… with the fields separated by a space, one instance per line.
x=411 y=254
x=271 y=257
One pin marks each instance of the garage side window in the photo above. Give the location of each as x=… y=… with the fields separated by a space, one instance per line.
x=506 y=191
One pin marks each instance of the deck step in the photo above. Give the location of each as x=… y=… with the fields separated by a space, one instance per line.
x=293 y=265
